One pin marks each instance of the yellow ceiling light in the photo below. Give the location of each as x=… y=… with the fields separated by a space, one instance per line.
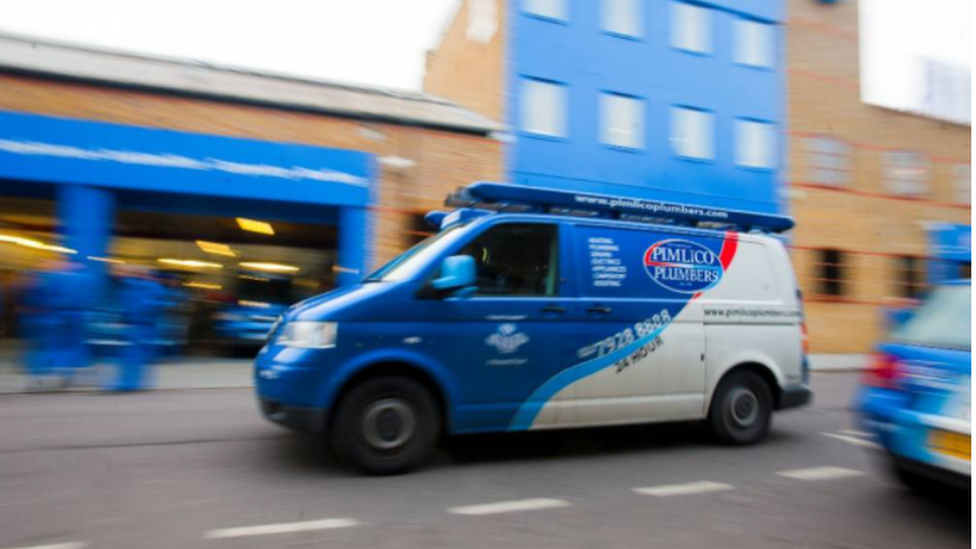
x=106 y=260
x=35 y=244
x=190 y=263
x=258 y=304
x=216 y=248
x=255 y=226
x=270 y=267
x=256 y=278
x=202 y=285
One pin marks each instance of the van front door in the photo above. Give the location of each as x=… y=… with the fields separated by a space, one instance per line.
x=507 y=339
x=641 y=339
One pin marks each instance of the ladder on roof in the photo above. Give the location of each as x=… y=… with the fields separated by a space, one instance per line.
x=502 y=196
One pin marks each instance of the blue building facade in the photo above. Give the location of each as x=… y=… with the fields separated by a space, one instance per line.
x=666 y=99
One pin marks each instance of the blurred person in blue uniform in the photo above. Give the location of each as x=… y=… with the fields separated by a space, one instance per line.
x=143 y=301
x=55 y=324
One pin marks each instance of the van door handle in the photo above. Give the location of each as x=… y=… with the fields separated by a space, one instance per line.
x=599 y=309
x=554 y=309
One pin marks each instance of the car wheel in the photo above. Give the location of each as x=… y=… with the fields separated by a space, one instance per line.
x=742 y=409
x=385 y=426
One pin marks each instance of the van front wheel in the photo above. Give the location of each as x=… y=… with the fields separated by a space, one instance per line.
x=385 y=426
x=742 y=409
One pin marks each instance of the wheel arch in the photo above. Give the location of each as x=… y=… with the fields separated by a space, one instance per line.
x=760 y=369
x=395 y=367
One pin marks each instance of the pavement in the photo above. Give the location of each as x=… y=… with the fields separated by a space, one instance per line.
x=223 y=373
x=201 y=469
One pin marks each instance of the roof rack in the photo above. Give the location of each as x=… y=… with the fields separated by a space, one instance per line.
x=508 y=197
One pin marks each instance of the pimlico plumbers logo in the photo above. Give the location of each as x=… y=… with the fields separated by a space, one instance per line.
x=682 y=266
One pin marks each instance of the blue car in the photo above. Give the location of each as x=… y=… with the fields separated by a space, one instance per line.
x=916 y=397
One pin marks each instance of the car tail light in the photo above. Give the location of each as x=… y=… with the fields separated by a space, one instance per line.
x=885 y=371
x=805 y=338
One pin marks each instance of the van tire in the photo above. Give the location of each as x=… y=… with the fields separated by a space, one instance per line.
x=385 y=426
x=742 y=409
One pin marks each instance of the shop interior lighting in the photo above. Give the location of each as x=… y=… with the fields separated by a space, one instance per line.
x=258 y=304
x=106 y=260
x=35 y=244
x=255 y=226
x=270 y=267
x=202 y=285
x=216 y=248
x=191 y=263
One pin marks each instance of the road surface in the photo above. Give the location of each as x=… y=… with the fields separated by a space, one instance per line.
x=201 y=469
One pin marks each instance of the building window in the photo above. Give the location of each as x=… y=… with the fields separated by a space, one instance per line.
x=544 y=108
x=755 y=144
x=906 y=173
x=962 y=180
x=691 y=28
x=550 y=9
x=692 y=133
x=828 y=161
x=831 y=279
x=621 y=121
x=624 y=17
x=909 y=276
x=755 y=43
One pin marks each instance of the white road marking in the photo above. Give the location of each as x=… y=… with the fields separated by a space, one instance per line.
x=65 y=545
x=509 y=506
x=855 y=433
x=851 y=440
x=699 y=487
x=283 y=528
x=820 y=473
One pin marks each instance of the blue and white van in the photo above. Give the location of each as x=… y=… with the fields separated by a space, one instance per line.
x=539 y=309
x=917 y=399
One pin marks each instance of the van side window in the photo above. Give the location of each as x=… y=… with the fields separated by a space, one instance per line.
x=516 y=260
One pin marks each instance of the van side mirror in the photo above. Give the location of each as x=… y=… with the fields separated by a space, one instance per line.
x=457 y=273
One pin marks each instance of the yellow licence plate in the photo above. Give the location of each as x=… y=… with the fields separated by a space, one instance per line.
x=951 y=444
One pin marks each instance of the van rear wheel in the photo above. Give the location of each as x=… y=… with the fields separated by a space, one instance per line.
x=742 y=409
x=385 y=426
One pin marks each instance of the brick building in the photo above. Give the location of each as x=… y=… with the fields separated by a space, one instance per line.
x=414 y=148
x=875 y=192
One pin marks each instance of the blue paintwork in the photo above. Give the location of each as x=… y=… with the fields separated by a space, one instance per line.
x=952 y=248
x=451 y=339
x=588 y=60
x=898 y=416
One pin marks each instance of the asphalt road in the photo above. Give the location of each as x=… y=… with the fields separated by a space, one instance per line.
x=188 y=469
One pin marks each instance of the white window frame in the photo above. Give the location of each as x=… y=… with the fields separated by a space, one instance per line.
x=827 y=161
x=761 y=54
x=905 y=180
x=616 y=133
x=962 y=183
x=684 y=18
x=546 y=91
x=745 y=129
x=556 y=10
x=684 y=121
x=630 y=12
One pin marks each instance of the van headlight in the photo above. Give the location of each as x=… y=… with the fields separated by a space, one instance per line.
x=308 y=335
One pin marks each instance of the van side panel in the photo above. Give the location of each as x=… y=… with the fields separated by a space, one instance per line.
x=640 y=341
x=754 y=316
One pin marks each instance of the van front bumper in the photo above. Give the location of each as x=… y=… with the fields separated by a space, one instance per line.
x=794 y=397
x=298 y=418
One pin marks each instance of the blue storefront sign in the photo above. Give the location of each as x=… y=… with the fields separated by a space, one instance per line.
x=92 y=166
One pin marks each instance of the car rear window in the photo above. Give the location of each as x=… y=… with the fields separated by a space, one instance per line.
x=944 y=320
